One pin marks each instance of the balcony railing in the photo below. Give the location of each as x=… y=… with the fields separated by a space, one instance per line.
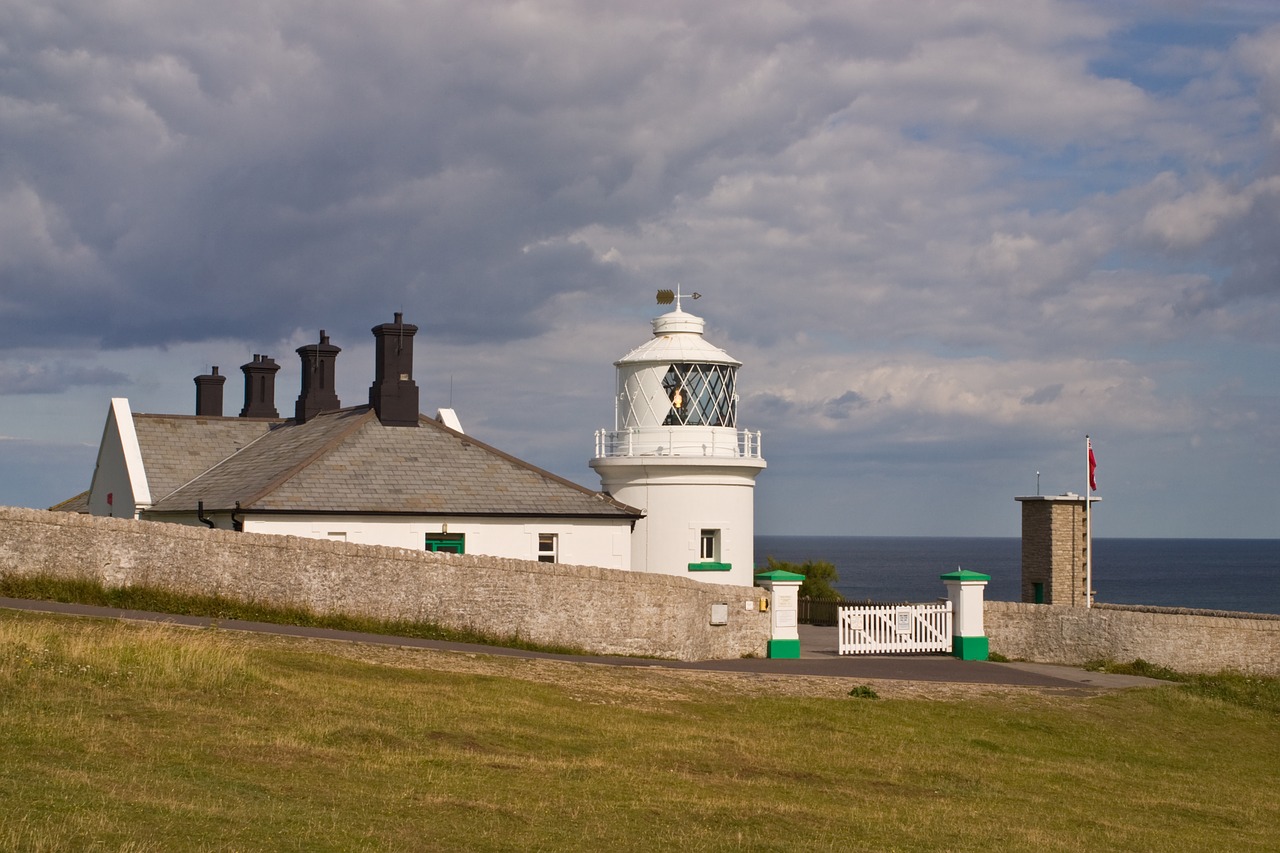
x=678 y=441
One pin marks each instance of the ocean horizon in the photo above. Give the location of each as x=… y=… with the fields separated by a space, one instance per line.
x=1212 y=574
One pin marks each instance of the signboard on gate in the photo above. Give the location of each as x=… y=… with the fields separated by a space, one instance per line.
x=902 y=621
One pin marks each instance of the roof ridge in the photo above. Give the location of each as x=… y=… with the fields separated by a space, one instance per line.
x=210 y=417
x=71 y=500
x=320 y=452
x=529 y=466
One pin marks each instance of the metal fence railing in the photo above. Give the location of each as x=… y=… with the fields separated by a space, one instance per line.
x=826 y=611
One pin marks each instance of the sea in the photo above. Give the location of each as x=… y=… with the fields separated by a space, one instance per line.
x=1213 y=574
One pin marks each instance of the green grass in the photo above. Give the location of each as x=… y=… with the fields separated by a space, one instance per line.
x=159 y=600
x=1248 y=691
x=125 y=737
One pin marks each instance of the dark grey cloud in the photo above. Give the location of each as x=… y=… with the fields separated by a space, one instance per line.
x=282 y=171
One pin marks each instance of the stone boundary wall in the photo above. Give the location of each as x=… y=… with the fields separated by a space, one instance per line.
x=605 y=611
x=1196 y=641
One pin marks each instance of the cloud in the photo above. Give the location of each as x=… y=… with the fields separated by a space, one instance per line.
x=916 y=394
x=239 y=171
x=52 y=377
x=1194 y=217
x=920 y=225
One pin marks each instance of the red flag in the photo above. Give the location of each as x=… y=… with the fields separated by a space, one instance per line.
x=1093 y=465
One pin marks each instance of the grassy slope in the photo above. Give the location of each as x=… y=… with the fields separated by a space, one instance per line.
x=152 y=738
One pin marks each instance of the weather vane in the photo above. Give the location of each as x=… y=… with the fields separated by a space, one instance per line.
x=666 y=297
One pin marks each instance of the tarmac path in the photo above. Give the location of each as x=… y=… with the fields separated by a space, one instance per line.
x=819 y=656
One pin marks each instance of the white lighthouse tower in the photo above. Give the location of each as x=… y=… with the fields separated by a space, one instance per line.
x=677 y=453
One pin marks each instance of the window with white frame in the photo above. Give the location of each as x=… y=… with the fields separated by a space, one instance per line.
x=548 y=547
x=709 y=546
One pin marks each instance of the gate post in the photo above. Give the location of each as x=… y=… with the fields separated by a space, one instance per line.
x=784 y=618
x=965 y=589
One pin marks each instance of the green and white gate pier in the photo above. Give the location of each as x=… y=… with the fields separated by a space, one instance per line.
x=965 y=590
x=785 y=613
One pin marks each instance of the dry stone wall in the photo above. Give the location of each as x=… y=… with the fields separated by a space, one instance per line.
x=1198 y=641
x=604 y=611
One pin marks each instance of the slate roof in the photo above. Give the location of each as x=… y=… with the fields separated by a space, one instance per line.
x=178 y=448
x=347 y=461
x=79 y=503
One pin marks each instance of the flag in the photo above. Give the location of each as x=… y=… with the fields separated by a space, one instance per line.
x=1093 y=465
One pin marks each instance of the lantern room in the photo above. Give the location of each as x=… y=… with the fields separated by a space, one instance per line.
x=676 y=395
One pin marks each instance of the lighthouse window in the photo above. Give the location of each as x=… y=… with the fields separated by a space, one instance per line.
x=700 y=395
x=710 y=548
x=709 y=553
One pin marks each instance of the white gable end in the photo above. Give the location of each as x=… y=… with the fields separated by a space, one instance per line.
x=119 y=481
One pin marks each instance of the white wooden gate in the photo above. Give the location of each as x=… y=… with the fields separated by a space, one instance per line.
x=901 y=628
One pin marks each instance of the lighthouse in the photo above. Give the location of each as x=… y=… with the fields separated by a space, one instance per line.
x=677 y=453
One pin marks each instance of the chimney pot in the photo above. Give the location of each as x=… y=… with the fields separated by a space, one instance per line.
x=260 y=388
x=394 y=394
x=318 y=394
x=209 y=394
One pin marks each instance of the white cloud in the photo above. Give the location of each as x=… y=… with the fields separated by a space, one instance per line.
x=913 y=393
x=1197 y=215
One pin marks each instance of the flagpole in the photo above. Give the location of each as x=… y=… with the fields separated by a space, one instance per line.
x=1088 y=524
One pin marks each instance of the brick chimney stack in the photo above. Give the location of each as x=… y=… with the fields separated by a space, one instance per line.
x=318 y=394
x=209 y=394
x=260 y=388
x=394 y=394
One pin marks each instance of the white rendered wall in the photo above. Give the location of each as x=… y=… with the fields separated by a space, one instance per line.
x=119 y=472
x=682 y=497
x=583 y=542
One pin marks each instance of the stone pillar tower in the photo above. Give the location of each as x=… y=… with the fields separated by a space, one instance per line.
x=1054 y=549
x=677 y=453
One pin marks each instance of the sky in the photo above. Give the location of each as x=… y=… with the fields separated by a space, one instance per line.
x=947 y=240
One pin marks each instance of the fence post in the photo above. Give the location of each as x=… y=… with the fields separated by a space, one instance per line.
x=965 y=590
x=783 y=621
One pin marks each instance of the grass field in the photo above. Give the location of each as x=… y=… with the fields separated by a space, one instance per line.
x=122 y=737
